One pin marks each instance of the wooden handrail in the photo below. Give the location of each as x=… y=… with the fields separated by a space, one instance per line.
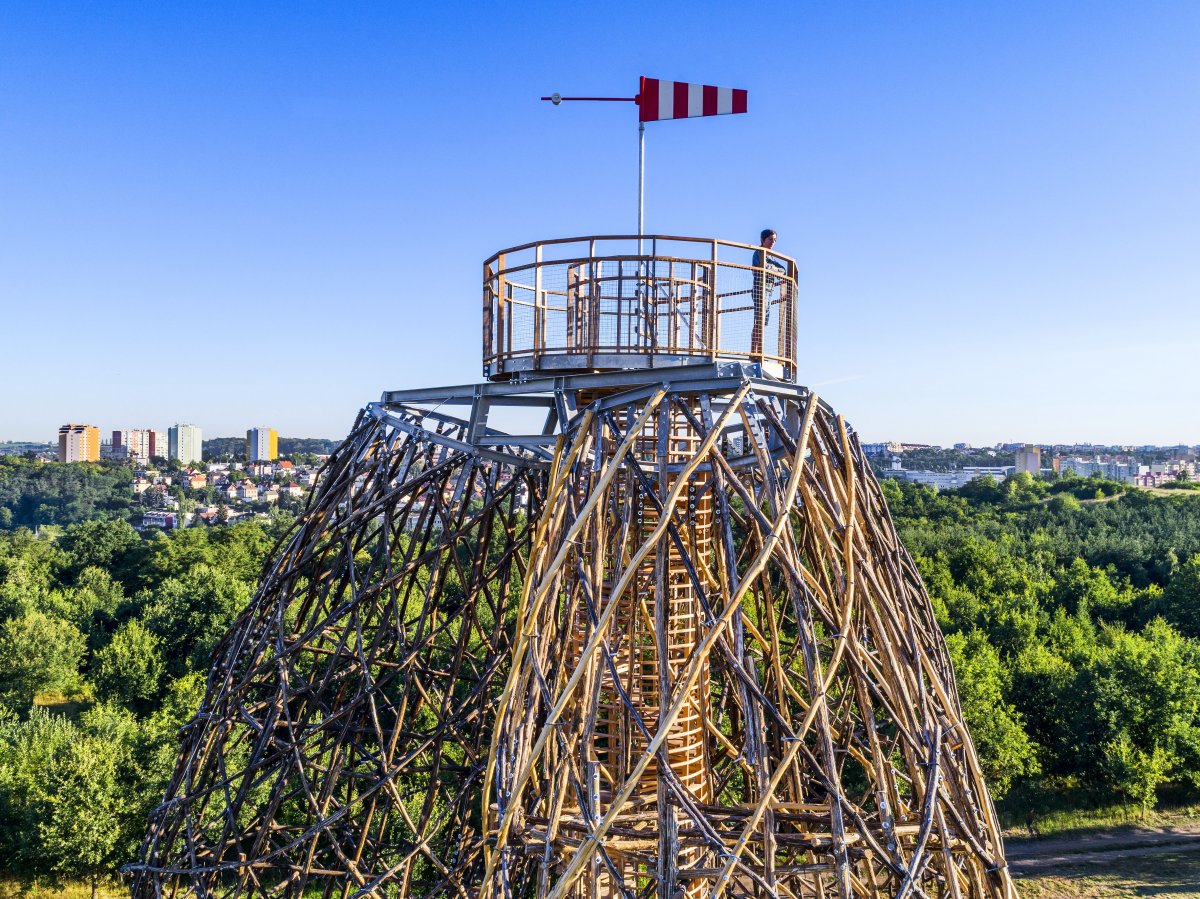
x=622 y=307
x=593 y=239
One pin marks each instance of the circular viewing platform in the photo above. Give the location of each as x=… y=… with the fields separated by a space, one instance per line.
x=607 y=303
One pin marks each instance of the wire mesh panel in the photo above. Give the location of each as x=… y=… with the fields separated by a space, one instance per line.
x=613 y=302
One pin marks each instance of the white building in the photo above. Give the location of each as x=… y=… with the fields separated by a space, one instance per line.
x=949 y=480
x=1114 y=471
x=999 y=472
x=185 y=443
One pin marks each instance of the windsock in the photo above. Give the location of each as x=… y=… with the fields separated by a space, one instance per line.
x=658 y=100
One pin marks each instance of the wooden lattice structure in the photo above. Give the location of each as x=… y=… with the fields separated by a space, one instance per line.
x=668 y=646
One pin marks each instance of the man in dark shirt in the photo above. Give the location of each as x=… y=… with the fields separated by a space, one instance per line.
x=764 y=279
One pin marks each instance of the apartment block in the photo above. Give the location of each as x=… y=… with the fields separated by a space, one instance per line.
x=185 y=443
x=1113 y=470
x=139 y=444
x=262 y=445
x=1029 y=459
x=78 y=443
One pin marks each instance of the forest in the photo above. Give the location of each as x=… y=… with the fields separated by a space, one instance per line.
x=34 y=493
x=1071 y=608
x=1072 y=612
x=104 y=645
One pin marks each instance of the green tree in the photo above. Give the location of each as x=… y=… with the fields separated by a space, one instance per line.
x=40 y=493
x=91 y=604
x=189 y=614
x=27 y=751
x=1180 y=602
x=110 y=545
x=1082 y=586
x=983 y=489
x=24 y=585
x=38 y=653
x=1005 y=751
x=1135 y=772
x=81 y=810
x=1142 y=717
x=1065 y=502
x=1021 y=489
x=129 y=669
x=1042 y=682
x=159 y=746
x=64 y=805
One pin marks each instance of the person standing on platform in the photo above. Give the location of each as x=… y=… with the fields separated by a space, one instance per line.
x=767 y=273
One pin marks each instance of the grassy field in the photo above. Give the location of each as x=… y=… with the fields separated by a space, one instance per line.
x=1164 y=873
x=1176 y=876
x=1081 y=823
x=1075 y=814
x=15 y=888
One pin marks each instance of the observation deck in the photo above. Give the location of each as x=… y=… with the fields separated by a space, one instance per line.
x=594 y=304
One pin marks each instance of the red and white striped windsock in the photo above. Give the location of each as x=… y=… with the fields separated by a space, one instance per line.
x=658 y=100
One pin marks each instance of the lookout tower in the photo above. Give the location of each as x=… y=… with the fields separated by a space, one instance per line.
x=620 y=303
x=664 y=642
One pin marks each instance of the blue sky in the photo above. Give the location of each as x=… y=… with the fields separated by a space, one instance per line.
x=233 y=214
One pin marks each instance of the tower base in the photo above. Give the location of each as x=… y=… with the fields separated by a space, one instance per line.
x=668 y=645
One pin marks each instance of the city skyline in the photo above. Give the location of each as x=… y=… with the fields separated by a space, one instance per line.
x=870 y=447
x=992 y=208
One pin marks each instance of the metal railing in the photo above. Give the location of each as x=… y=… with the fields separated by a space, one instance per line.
x=596 y=303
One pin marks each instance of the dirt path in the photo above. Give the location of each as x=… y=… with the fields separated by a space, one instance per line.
x=1101 y=849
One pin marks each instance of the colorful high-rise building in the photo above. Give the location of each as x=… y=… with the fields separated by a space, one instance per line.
x=262 y=445
x=139 y=444
x=185 y=443
x=78 y=443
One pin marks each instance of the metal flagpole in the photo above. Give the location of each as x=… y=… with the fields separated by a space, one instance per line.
x=641 y=183
x=661 y=100
x=556 y=99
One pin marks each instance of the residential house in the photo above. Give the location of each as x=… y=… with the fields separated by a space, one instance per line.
x=160 y=520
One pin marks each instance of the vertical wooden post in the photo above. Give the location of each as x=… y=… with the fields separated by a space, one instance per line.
x=539 y=306
x=672 y=308
x=714 y=306
x=592 y=333
x=787 y=324
x=621 y=307
x=489 y=300
x=574 y=321
x=503 y=326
